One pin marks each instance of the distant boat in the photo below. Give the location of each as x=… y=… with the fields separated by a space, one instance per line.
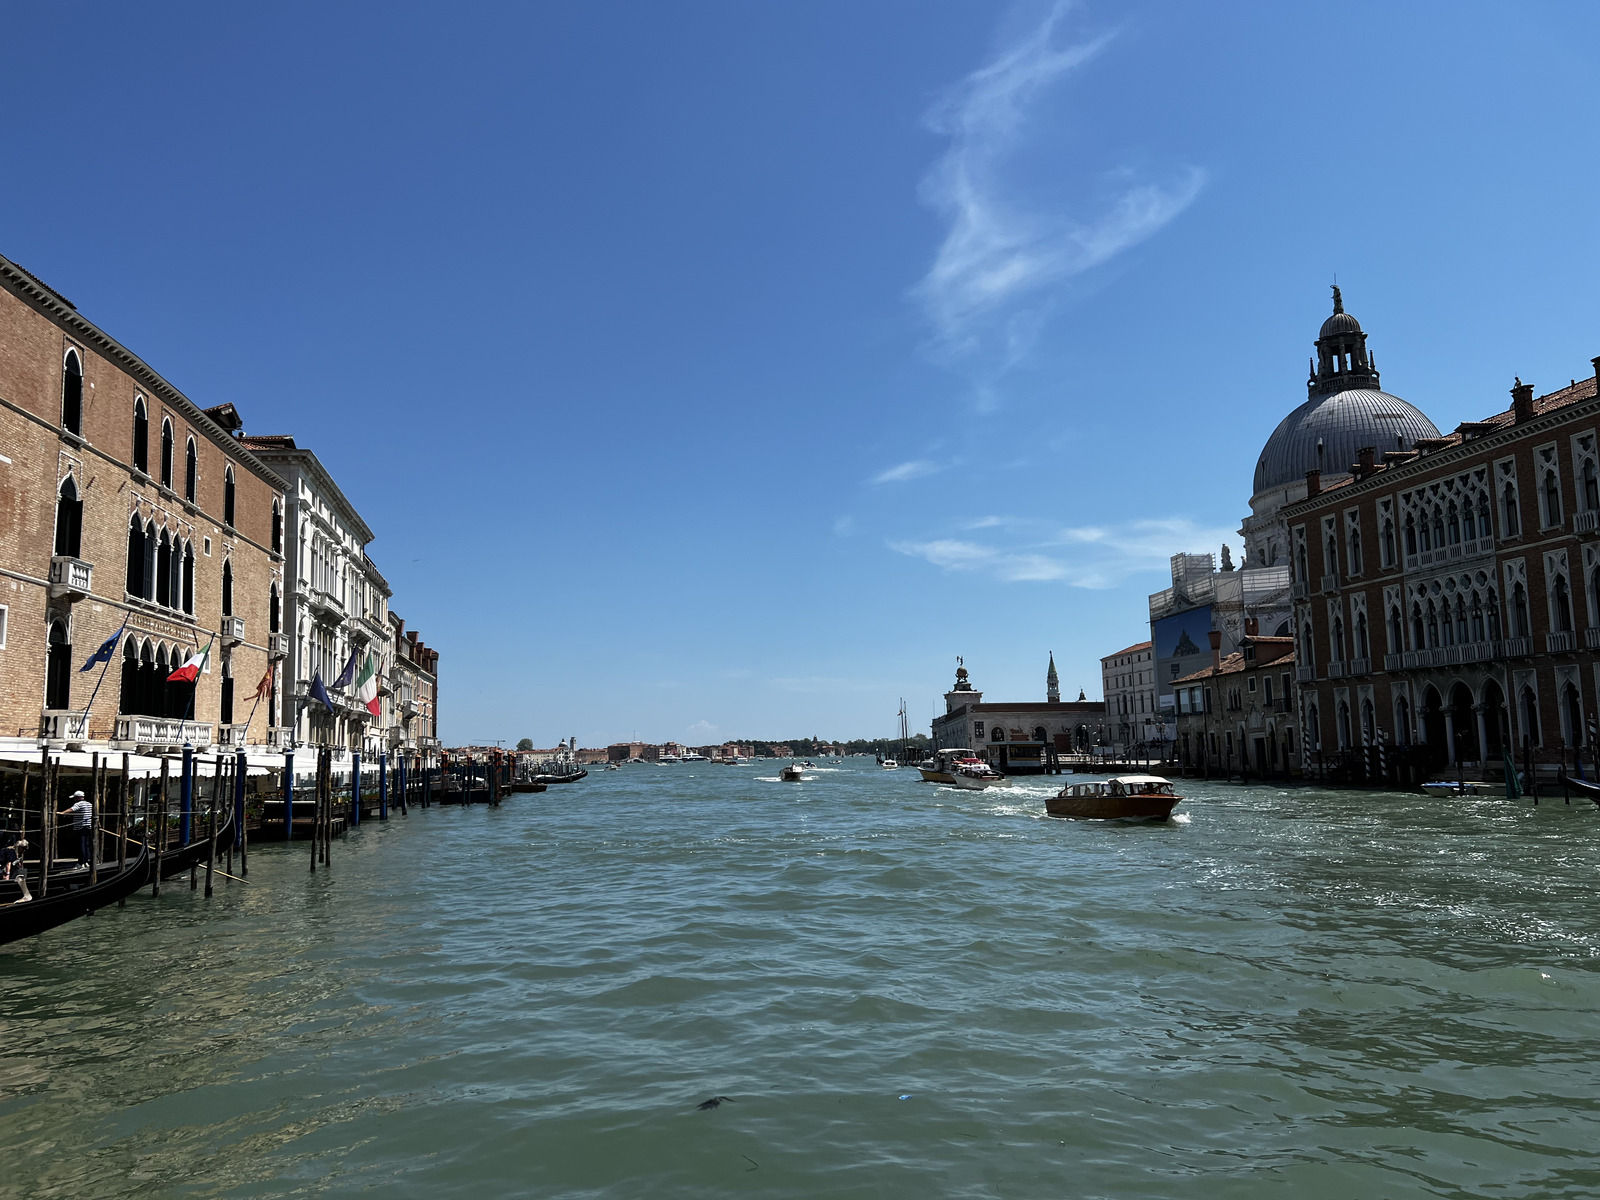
x=974 y=773
x=610 y=766
x=1122 y=797
x=791 y=774
x=889 y=764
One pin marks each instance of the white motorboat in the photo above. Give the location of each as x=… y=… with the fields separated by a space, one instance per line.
x=791 y=774
x=889 y=764
x=974 y=774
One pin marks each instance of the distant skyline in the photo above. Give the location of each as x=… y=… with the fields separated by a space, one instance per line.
x=726 y=370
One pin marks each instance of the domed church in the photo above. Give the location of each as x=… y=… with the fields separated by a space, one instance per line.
x=1345 y=411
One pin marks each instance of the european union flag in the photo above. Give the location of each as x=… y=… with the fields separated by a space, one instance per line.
x=317 y=692
x=107 y=649
x=346 y=676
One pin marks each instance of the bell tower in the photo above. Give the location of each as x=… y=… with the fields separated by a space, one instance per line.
x=1052 y=683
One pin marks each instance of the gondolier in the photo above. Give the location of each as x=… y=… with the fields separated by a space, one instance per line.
x=82 y=814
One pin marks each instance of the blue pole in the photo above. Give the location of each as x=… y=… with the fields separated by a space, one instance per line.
x=383 y=787
x=400 y=768
x=186 y=803
x=355 y=787
x=288 y=794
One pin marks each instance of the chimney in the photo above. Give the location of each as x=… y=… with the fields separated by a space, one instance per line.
x=1252 y=627
x=1313 y=482
x=1366 y=459
x=1522 y=402
x=1216 y=649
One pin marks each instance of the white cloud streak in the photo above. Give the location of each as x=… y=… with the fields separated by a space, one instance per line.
x=995 y=251
x=1086 y=557
x=906 y=471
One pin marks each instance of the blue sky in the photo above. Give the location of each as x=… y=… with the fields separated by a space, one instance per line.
x=727 y=369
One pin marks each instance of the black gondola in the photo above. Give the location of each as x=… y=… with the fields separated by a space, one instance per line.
x=570 y=777
x=71 y=895
x=1582 y=786
x=176 y=862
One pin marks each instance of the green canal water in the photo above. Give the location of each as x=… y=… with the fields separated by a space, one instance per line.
x=903 y=990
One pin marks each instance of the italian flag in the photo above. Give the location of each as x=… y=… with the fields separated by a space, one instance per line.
x=192 y=668
x=367 y=685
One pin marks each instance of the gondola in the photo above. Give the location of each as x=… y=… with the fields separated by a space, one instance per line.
x=525 y=785
x=176 y=862
x=571 y=777
x=1582 y=786
x=71 y=895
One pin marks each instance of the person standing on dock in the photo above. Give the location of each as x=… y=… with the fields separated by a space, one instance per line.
x=82 y=813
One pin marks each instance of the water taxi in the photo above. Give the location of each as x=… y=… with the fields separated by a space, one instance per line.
x=1122 y=797
x=974 y=774
x=791 y=774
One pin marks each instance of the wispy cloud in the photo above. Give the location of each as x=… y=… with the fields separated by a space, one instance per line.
x=702 y=728
x=998 y=251
x=1087 y=557
x=844 y=526
x=906 y=471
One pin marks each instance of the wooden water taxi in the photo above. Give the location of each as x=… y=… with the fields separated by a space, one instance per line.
x=1120 y=798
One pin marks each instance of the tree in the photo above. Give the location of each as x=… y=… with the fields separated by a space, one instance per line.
x=525 y=744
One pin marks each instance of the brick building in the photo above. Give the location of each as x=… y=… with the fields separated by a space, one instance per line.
x=1447 y=597
x=415 y=731
x=1238 y=713
x=125 y=506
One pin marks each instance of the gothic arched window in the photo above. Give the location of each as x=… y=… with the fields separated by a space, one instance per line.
x=1563 y=605
x=128 y=703
x=1552 y=499
x=1530 y=715
x=1402 y=722
x=58 y=669
x=1338 y=639
x=72 y=394
x=191 y=470
x=149 y=592
x=273 y=617
x=188 y=578
x=1411 y=535
x=1388 y=543
x=166 y=452
x=227 y=495
x=1591 y=486
x=1418 y=640
x=1455 y=524
x=141 y=436
x=1511 y=525
x=69 y=519
x=1397 y=630
x=135 y=581
x=1483 y=516
x=277 y=527
x=227 y=587
x=1519 y=612
x=1361 y=635
x=164 y=570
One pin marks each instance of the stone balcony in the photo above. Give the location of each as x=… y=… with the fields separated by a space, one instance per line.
x=279 y=738
x=278 y=645
x=162 y=731
x=324 y=605
x=61 y=725
x=1299 y=590
x=1330 y=582
x=71 y=577
x=1586 y=522
x=1591 y=639
x=232 y=631
x=232 y=736
x=1305 y=673
x=1360 y=666
x=1557 y=643
x=1336 y=670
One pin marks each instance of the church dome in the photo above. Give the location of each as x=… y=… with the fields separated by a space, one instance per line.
x=1340 y=322
x=1326 y=432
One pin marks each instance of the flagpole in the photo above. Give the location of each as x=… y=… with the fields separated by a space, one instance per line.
x=88 y=710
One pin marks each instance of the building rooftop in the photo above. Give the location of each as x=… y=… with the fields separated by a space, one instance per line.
x=1137 y=646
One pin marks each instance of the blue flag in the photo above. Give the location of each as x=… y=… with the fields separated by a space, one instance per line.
x=318 y=692
x=107 y=649
x=346 y=675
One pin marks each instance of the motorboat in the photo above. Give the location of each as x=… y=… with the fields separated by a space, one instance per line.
x=973 y=774
x=791 y=774
x=1122 y=797
x=611 y=766
x=889 y=764
x=809 y=764
x=943 y=767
